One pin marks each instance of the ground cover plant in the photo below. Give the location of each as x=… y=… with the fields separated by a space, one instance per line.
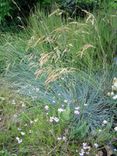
x=58 y=86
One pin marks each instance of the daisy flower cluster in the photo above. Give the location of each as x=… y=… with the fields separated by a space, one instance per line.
x=113 y=92
x=19 y=140
x=54 y=119
x=85 y=150
x=63 y=138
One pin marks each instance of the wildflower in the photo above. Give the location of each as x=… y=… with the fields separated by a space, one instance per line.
x=114 y=97
x=85 y=104
x=59 y=94
x=22 y=133
x=56 y=119
x=105 y=122
x=13 y=102
x=114 y=87
x=25 y=125
x=52 y=119
x=114 y=79
x=19 y=129
x=76 y=112
x=54 y=101
x=115 y=129
x=76 y=151
x=23 y=105
x=35 y=120
x=65 y=101
x=82 y=152
x=31 y=122
x=37 y=89
x=46 y=107
x=64 y=138
x=15 y=115
x=99 y=130
x=19 y=140
x=59 y=138
x=2 y=98
x=111 y=93
x=60 y=110
x=62 y=78
x=96 y=145
x=71 y=45
x=115 y=149
x=84 y=144
x=77 y=108
x=86 y=147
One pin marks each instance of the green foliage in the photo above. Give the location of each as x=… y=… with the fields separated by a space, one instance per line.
x=4 y=9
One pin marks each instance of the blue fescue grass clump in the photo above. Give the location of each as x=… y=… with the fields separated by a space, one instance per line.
x=87 y=90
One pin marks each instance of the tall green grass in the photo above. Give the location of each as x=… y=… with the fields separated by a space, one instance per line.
x=89 y=43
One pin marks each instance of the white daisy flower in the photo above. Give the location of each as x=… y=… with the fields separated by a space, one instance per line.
x=105 y=122
x=60 y=110
x=46 y=107
x=19 y=129
x=59 y=138
x=100 y=130
x=96 y=145
x=64 y=138
x=51 y=119
x=114 y=97
x=56 y=119
x=76 y=112
x=111 y=93
x=22 y=133
x=37 y=89
x=85 y=104
x=13 y=102
x=19 y=140
x=77 y=108
x=65 y=101
x=82 y=152
x=31 y=122
x=54 y=101
x=115 y=129
x=35 y=120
